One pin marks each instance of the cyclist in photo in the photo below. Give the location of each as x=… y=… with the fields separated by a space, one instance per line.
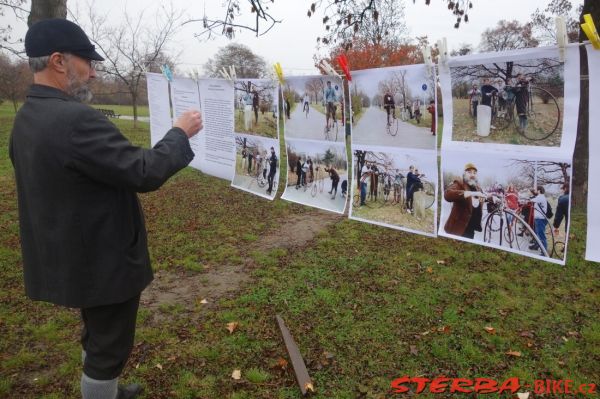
x=311 y=173
x=562 y=209
x=330 y=99
x=417 y=110
x=413 y=183
x=335 y=179
x=365 y=175
x=474 y=98
x=306 y=104
x=520 y=91
x=539 y=216
x=390 y=107
x=397 y=185
x=272 y=169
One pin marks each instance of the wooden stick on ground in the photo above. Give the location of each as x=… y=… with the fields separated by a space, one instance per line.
x=300 y=370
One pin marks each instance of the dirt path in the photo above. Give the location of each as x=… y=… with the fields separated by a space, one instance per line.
x=185 y=287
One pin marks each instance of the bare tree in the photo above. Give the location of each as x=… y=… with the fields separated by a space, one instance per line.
x=14 y=79
x=132 y=48
x=544 y=172
x=543 y=22
x=6 y=40
x=247 y=64
x=508 y=35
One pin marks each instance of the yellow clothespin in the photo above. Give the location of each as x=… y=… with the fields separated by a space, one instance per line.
x=561 y=37
x=279 y=72
x=590 y=31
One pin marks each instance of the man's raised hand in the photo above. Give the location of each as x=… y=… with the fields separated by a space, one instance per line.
x=190 y=122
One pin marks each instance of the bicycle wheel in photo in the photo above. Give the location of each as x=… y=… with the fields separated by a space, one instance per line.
x=543 y=115
x=429 y=191
x=392 y=127
x=558 y=250
x=356 y=199
x=520 y=235
x=261 y=180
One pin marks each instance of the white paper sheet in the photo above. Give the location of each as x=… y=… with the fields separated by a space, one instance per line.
x=185 y=96
x=593 y=217
x=218 y=140
x=158 y=104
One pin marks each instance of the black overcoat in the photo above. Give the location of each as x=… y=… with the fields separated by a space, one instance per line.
x=83 y=237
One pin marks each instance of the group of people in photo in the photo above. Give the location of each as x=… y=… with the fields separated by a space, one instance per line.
x=412 y=110
x=307 y=173
x=393 y=182
x=256 y=162
x=499 y=95
x=532 y=205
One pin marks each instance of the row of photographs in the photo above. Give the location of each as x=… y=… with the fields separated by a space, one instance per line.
x=517 y=98
x=507 y=202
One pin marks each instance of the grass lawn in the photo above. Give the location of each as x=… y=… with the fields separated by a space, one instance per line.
x=266 y=126
x=124 y=109
x=365 y=304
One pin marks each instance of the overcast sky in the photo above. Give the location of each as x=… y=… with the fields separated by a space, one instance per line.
x=293 y=42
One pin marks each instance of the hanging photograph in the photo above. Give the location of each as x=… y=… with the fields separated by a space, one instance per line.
x=515 y=203
x=314 y=108
x=256 y=165
x=395 y=188
x=256 y=107
x=394 y=106
x=317 y=174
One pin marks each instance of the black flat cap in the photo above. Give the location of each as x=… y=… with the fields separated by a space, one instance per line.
x=59 y=35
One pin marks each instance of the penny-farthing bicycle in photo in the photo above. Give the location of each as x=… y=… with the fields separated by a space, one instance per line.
x=392 y=123
x=542 y=112
x=331 y=124
x=370 y=202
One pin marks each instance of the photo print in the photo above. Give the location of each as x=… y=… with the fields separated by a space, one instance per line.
x=395 y=188
x=256 y=107
x=317 y=174
x=394 y=106
x=256 y=165
x=314 y=108
x=510 y=202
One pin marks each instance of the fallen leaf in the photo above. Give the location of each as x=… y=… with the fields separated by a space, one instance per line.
x=573 y=334
x=172 y=358
x=490 y=330
x=159 y=366
x=328 y=355
x=137 y=366
x=503 y=312
x=524 y=395
x=413 y=350
x=429 y=270
x=441 y=262
x=204 y=302
x=514 y=353
x=309 y=387
x=526 y=334
x=565 y=339
x=445 y=329
x=282 y=363
x=561 y=363
x=236 y=375
x=529 y=344
x=425 y=333
x=231 y=327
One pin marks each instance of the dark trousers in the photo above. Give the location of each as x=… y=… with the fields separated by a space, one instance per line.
x=107 y=338
x=270 y=180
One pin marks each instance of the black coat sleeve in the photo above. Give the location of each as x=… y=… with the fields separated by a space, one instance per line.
x=100 y=151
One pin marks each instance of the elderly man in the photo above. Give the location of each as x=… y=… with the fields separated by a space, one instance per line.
x=467 y=199
x=83 y=237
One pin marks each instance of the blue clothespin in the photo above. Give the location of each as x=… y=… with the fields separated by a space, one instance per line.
x=167 y=72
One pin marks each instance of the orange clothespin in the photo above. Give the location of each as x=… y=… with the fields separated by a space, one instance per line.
x=590 y=31
x=343 y=62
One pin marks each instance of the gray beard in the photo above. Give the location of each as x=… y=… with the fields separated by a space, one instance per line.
x=79 y=91
x=471 y=183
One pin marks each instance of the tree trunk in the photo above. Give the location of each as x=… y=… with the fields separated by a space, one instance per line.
x=134 y=102
x=46 y=9
x=581 y=154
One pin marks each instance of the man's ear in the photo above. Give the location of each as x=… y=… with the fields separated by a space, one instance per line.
x=58 y=62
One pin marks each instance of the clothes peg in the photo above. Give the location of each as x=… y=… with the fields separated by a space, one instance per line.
x=329 y=69
x=279 y=72
x=590 y=31
x=343 y=62
x=443 y=48
x=167 y=72
x=427 y=59
x=561 y=37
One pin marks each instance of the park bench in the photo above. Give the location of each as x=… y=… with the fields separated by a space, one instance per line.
x=109 y=113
